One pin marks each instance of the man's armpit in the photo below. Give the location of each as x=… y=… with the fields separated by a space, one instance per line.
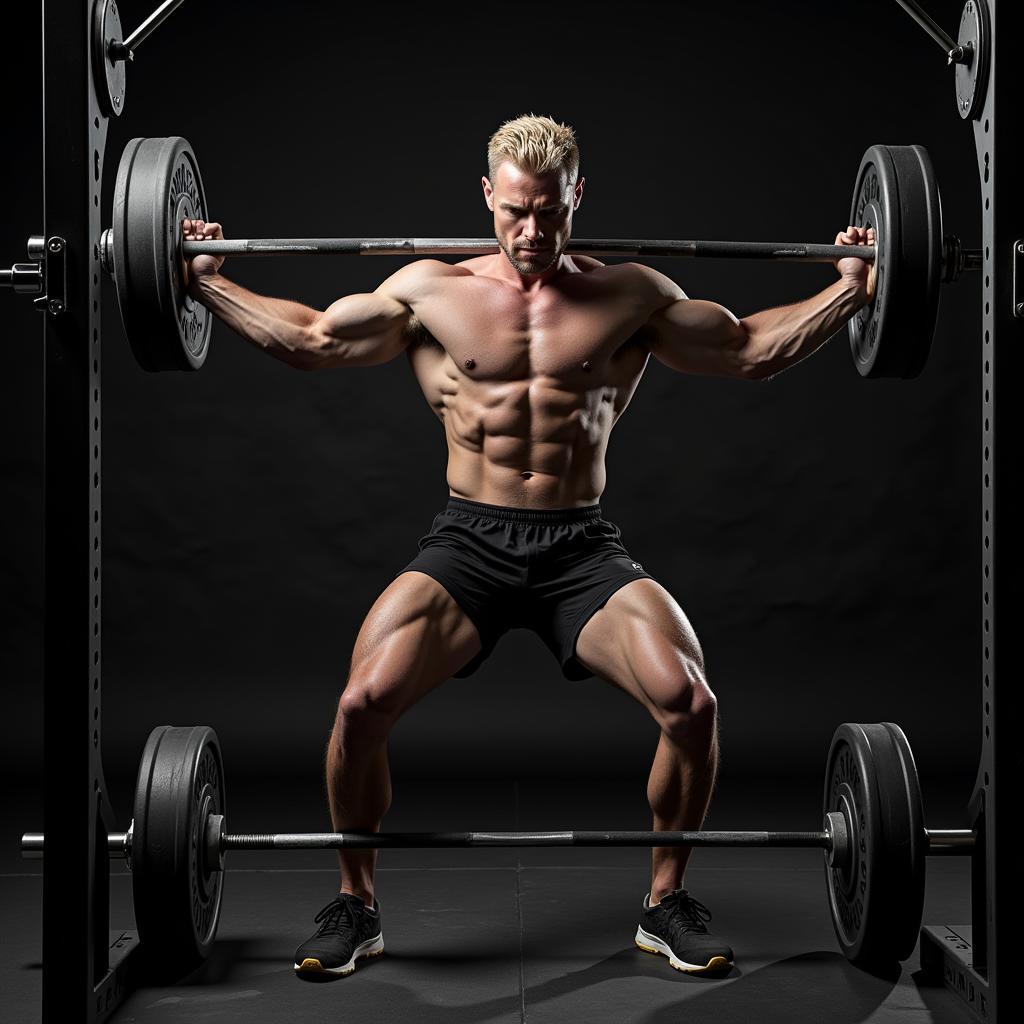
x=417 y=336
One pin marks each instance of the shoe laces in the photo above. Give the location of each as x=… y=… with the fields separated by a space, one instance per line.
x=334 y=916
x=689 y=914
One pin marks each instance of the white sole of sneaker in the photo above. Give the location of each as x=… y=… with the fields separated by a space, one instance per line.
x=652 y=944
x=371 y=947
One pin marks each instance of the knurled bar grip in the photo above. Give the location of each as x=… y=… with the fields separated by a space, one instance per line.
x=801 y=251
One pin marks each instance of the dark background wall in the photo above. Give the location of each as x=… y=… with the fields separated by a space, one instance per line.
x=821 y=531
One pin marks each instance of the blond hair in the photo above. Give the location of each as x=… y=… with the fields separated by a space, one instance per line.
x=535 y=144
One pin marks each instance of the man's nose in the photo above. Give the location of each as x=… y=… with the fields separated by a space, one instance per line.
x=531 y=229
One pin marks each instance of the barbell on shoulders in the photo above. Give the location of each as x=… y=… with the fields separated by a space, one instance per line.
x=159 y=186
x=872 y=834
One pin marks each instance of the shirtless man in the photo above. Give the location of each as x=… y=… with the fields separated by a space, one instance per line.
x=527 y=357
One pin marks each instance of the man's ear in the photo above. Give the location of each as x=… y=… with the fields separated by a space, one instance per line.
x=488 y=192
x=577 y=193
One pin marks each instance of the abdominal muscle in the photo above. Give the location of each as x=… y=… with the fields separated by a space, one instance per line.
x=527 y=444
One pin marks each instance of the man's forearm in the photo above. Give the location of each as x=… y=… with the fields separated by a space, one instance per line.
x=783 y=336
x=278 y=326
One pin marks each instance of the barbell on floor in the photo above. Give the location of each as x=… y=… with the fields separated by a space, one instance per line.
x=873 y=836
x=833 y=840
x=159 y=185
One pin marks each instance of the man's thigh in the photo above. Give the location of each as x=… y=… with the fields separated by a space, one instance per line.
x=413 y=638
x=642 y=642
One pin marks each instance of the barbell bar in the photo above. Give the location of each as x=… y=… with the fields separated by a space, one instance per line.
x=955 y=258
x=647 y=247
x=941 y=842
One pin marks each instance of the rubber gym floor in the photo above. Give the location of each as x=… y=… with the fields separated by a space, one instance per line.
x=515 y=935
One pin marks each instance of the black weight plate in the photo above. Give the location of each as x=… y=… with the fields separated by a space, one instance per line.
x=904 y=808
x=920 y=254
x=876 y=205
x=897 y=193
x=126 y=301
x=158 y=185
x=176 y=893
x=876 y=900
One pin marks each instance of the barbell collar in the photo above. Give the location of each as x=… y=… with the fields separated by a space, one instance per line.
x=106 y=248
x=837 y=849
x=956 y=259
x=781 y=251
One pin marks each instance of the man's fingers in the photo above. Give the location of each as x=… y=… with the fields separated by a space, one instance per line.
x=196 y=229
x=854 y=235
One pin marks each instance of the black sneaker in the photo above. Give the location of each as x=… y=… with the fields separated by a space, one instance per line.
x=348 y=931
x=676 y=929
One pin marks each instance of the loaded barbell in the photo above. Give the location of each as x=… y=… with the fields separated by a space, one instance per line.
x=873 y=836
x=895 y=192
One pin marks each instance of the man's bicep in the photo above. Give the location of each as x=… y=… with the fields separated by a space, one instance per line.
x=374 y=327
x=697 y=336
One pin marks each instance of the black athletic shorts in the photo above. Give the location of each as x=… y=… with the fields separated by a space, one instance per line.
x=508 y=568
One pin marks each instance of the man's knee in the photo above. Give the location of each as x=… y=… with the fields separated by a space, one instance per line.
x=371 y=702
x=687 y=708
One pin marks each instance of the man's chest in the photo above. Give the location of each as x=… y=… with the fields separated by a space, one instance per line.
x=492 y=332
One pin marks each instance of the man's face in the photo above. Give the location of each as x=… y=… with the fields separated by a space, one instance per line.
x=532 y=215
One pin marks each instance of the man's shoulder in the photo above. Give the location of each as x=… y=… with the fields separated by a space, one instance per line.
x=636 y=278
x=416 y=279
x=431 y=269
x=609 y=271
